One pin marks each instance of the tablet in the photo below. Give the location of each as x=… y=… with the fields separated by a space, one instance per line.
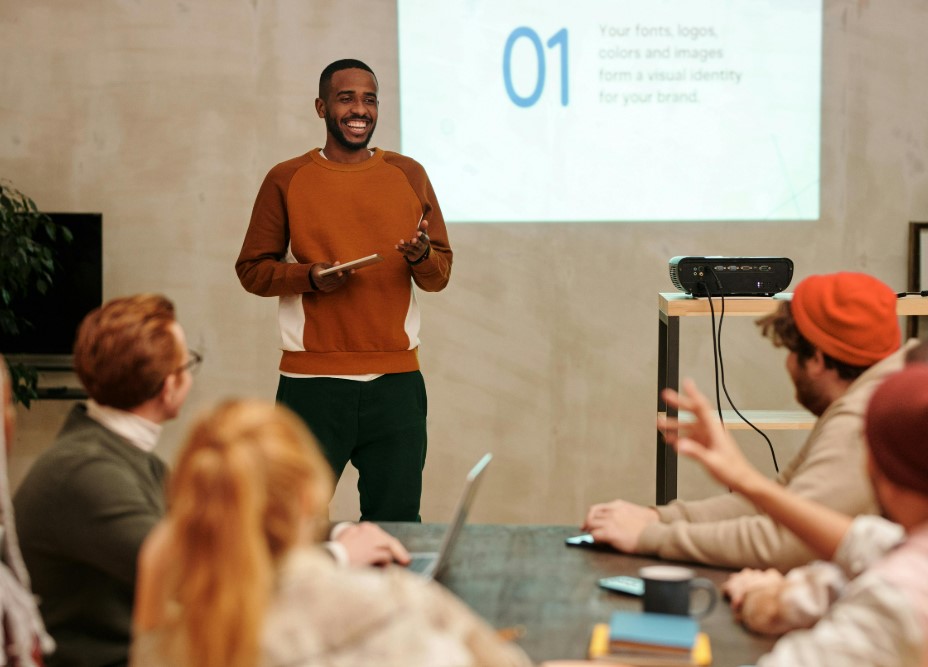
x=354 y=264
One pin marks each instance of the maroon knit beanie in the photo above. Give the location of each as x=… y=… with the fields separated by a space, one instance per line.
x=850 y=317
x=897 y=427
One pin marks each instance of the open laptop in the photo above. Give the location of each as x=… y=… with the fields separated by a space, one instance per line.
x=432 y=564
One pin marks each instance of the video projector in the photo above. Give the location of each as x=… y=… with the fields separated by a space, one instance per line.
x=731 y=276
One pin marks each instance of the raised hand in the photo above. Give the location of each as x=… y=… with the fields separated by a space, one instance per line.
x=705 y=439
x=415 y=248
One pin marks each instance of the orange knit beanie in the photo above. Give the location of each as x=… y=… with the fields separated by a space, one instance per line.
x=850 y=317
x=897 y=427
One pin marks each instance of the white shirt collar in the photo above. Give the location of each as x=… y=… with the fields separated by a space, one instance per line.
x=322 y=153
x=139 y=431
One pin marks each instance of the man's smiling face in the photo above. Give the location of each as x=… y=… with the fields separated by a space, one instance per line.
x=350 y=108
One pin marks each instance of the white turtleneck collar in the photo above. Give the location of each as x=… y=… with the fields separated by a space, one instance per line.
x=139 y=431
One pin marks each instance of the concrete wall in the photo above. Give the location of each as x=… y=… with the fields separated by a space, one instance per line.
x=166 y=116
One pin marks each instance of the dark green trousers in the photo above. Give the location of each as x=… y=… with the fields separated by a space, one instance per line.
x=379 y=426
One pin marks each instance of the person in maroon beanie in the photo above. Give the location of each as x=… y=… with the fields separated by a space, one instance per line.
x=879 y=612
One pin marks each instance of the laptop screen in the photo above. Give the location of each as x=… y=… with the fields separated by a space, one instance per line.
x=460 y=513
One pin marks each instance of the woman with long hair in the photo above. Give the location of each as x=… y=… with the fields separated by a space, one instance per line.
x=231 y=578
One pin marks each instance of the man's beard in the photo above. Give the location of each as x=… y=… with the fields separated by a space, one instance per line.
x=336 y=131
x=809 y=398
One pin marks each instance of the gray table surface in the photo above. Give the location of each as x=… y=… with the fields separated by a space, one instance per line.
x=514 y=575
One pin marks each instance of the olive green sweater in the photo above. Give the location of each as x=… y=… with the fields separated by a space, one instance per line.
x=82 y=513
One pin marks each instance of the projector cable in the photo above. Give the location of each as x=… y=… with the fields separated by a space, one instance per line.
x=720 y=366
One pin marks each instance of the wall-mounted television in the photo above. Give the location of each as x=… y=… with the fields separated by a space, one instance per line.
x=77 y=288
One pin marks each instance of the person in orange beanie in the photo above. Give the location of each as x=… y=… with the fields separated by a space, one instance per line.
x=843 y=338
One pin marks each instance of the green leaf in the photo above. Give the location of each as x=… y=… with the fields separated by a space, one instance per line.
x=25 y=381
x=27 y=238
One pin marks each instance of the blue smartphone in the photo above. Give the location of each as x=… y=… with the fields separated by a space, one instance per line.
x=623 y=584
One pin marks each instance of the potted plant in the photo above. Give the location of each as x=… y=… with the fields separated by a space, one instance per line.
x=26 y=238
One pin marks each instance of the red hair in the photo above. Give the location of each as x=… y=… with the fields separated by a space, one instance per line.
x=126 y=348
x=246 y=482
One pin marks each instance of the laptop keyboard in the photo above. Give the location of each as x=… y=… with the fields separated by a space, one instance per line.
x=420 y=563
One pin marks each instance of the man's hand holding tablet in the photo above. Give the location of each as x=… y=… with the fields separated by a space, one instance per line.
x=354 y=264
x=326 y=277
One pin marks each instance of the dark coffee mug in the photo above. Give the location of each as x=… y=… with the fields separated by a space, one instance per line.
x=667 y=590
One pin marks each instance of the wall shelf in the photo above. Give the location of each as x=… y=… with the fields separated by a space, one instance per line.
x=765 y=420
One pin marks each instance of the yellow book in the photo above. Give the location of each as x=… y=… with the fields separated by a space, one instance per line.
x=701 y=655
x=599 y=641
x=702 y=650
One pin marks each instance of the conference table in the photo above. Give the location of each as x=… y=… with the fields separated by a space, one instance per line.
x=524 y=576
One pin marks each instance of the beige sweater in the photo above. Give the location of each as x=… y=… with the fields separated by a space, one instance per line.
x=324 y=616
x=880 y=617
x=727 y=530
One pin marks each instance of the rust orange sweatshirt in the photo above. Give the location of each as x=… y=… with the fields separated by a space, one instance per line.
x=312 y=210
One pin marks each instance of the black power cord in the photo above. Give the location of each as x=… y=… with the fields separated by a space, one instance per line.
x=720 y=365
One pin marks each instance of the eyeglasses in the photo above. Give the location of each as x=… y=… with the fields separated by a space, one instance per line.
x=192 y=363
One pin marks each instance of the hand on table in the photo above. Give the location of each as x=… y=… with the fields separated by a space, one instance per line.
x=756 y=599
x=738 y=585
x=619 y=523
x=369 y=544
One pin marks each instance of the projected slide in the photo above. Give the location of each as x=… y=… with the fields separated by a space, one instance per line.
x=614 y=110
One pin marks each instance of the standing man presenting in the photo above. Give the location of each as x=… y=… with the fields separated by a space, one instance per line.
x=350 y=365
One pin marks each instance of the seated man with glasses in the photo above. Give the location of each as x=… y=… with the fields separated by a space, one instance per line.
x=91 y=498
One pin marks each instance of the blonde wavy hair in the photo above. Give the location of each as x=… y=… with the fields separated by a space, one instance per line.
x=249 y=483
